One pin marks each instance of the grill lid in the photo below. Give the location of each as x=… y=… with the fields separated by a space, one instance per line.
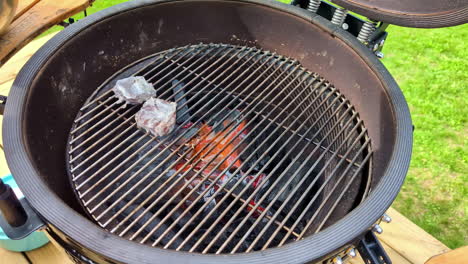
x=414 y=13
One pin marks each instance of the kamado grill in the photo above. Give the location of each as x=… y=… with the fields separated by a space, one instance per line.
x=291 y=138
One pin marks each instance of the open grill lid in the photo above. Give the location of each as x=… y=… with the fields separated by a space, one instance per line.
x=411 y=13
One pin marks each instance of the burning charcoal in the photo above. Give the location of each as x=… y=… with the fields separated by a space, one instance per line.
x=220 y=137
x=157 y=117
x=133 y=90
x=183 y=112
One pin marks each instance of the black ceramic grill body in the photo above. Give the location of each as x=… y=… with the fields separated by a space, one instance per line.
x=56 y=81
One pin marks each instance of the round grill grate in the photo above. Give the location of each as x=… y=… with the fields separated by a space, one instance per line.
x=290 y=155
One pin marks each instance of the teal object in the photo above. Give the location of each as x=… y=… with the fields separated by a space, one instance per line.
x=33 y=241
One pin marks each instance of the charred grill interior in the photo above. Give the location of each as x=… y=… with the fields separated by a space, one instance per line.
x=264 y=152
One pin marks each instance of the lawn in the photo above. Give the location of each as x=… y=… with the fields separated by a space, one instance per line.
x=431 y=67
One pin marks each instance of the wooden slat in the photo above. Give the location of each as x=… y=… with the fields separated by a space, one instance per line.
x=457 y=256
x=36 y=20
x=9 y=257
x=48 y=254
x=9 y=70
x=23 y=6
x=409 y=240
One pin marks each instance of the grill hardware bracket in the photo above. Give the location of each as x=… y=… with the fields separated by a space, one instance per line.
x=31 y=223
x=372 y=251
x=372 y=34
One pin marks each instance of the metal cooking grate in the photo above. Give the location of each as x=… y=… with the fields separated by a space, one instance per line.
x=298 y=156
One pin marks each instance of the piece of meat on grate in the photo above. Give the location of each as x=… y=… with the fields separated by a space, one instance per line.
x=133 y=90
x=157 y=117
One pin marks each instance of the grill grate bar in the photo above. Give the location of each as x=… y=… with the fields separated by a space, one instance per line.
x=109 y=92
x=214 y=181
x=114 y=112
x=194 y=55
x=97 y=132
x=303 y=196
x=264 y=196
x=311 y=202
x=198 y=121
x=295 y=132
x=145 y=75
x=253 y=74
x=366 y=159
x=134 y=154
x=109 y=143
x=202 y=150
x=283 y=147
x=230 y=191
x=107 y=107
x=101 y=139
x=87 y=113
x=258 y=174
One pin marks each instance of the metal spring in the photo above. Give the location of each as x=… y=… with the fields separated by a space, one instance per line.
x=313 y=5
x=339 y=16
x=366 y=31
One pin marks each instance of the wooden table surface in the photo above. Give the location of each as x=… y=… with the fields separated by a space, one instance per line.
x=404 y=241
x=33 y=17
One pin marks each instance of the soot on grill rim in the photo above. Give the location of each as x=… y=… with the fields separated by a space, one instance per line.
x=264 y=153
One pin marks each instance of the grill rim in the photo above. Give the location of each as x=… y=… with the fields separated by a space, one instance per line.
x=314 y=247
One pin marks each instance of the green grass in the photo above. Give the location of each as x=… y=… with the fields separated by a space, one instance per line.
x=431 y=67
